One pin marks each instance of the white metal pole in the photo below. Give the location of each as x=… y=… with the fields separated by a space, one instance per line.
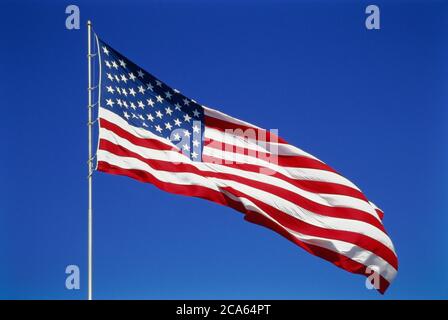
x=90 y=161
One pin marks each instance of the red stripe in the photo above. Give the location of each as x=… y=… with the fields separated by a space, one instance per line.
x=212 y=195
x=146 y=177
x=284 y=161
x=350 y=214
x=260 y=134
x=300 y=226
x=146 y=143
x=310 y=185
x=293 y=223
x=337 y=212
x=337 y=259
x=330 y=188
x=380 y=214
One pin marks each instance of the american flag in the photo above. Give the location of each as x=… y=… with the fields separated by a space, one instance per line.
x=153 y=133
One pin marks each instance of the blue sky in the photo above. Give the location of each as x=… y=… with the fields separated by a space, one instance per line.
x=372 y=104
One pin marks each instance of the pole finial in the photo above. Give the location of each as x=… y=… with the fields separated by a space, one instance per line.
x=89 y=23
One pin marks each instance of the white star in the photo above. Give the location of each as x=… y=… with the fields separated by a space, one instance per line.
x=177 y=122
x=115 y=65
x=125 y=104
x=150 y=117
x=149 y=86
x=111 y=78
x=150 y=102
x=122 y=63
x=118 y=90
x=134 y=116
x=168 y=110
x=141 y=104
x=140 y=73
x=187 y=118
x=195 y=143
x=108 y=64
x=110 y=89
x=195 y=129
x=105 y=50
x=176 y=136
x=186 y=147
x=141 y=89
x=158 y=83
x=177 y=106
x=158 y=128
x=168 y=95
x=131 y=76
x=168 y=126
x=187 y=133
x=159 y=114
x=132 y=92
x=186 y=102
x=196 y=113
x=123 y=78
x=133 y=106
x=124 y=92
x=141 y=117
x=159 y=99
x=126 y=115
x=119 y=102
x=117 y=78
x=109 y=102
x=194 y=155
x=145 y=125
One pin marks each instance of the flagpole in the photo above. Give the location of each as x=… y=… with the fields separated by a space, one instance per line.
x=90 y=161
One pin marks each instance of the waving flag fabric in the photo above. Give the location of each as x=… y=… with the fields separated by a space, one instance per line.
x=153 y=133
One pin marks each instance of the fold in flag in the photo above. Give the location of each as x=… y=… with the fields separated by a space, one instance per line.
x=154 y=134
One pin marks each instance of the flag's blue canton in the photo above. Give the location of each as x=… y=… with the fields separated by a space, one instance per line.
x=146 y=102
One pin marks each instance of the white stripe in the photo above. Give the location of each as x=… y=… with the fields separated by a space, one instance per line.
x=231 y=139
x=136 y=131
x=294 y=173
x=365 y=257
x=263 y=196
x=222 y=116
x=308 y=216
x=375 y=207
x=291 y=172
x=350 y=250
x=290 y=150
x=185 y=178
x=181 y=178
x=285 y=149
x=253 y=144
x=328 y=200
